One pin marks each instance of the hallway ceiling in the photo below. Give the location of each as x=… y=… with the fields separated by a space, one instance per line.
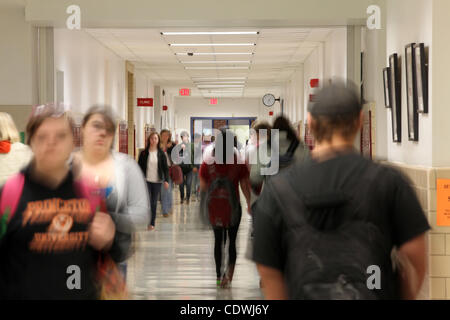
x=276 y=55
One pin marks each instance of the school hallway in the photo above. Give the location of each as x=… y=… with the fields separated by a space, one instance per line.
x=176 y=260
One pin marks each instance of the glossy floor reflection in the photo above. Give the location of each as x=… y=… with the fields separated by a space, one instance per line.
x=176 y=261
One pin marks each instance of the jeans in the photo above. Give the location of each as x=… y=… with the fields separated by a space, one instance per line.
x=166 y=198
x=196 y=183
x=153 y=190
x=187 y=181
x=122 y=266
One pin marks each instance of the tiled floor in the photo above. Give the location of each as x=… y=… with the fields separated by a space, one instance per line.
x=176 y=261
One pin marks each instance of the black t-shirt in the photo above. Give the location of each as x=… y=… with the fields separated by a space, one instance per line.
x=392 y=203
x=45 y=241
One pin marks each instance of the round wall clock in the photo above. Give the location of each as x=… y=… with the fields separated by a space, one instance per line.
x=269 y=100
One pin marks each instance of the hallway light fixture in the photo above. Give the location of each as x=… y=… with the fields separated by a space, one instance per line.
x=219 y=82
x=203 y=86
x=214 y=68
x=215 y=61
x=211 y=44
x=208 y=33
x=212 y=53
x=219 y=78
x=221 y=91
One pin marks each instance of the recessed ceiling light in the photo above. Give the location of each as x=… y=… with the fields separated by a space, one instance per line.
x=221 y=91
x=221 y=82
x=211 y=53
x=208 y=33
x=214 y=68
x=220 y=86
x=214 y=61
x=211 y=44
x=219 y=78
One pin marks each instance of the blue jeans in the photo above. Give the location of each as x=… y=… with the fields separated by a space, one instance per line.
x=195 y=183
x=122 y=266
x=153 y=189
x=187 y=181
x=166 y=198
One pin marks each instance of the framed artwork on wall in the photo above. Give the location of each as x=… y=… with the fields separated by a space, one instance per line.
x=421 y=72
x=411 y=93
x=387 y=86
x=396 y=97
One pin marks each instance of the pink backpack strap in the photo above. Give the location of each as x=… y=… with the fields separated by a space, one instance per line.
x=12 y=190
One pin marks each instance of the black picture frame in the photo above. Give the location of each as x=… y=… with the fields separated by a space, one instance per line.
x=411 y=93
x=387 y=86
x=396 y=97
x=421 y=71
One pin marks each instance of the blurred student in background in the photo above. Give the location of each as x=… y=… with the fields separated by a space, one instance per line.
x=14 y=155
x=220 y=182
x=167 y=146
x=117 y=175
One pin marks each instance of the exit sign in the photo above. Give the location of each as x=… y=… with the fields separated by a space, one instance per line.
x=213 y=101
x=185 y=92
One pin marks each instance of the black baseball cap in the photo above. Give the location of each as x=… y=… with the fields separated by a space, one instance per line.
x=336 y=99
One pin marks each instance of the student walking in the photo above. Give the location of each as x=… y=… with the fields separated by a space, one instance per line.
x=153 y=163
x=322 y=224
x=167 y=146
x=46 y=224
x=220 y=183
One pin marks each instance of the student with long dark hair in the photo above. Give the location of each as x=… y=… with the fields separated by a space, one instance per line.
x=225 y=170
x=153 y=163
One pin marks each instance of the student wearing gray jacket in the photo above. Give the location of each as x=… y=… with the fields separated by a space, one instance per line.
x=117 y=175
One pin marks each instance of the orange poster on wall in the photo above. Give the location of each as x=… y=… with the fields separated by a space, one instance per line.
x=443 y=202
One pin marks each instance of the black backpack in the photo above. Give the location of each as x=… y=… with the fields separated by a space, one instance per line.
x=330 y=242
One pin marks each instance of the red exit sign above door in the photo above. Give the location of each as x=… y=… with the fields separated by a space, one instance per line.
x=185 y=92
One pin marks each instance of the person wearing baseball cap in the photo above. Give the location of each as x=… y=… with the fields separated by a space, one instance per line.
x=325 y=228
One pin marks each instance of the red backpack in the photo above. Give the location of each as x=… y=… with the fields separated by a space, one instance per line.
x=176 y=174
x=221 y=203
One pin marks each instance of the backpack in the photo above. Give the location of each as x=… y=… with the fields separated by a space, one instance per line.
x=331 y=243
x=176 y=174
x=286 y=159
x=221 y=202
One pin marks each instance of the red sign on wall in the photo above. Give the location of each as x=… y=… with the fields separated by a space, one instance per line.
x=314 y=83
x=185 y=92
x=165 y=108
x=213 y=101
x=270 y=113
x=145 y=102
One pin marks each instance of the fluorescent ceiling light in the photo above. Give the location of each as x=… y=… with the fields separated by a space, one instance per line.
x=211 y=53
x=221 y=82
x=208 y=33
x=218 y=78
x=211 y=44
x=220 y=86
x=215 y=68
x=216 y=91
x=214 y=61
